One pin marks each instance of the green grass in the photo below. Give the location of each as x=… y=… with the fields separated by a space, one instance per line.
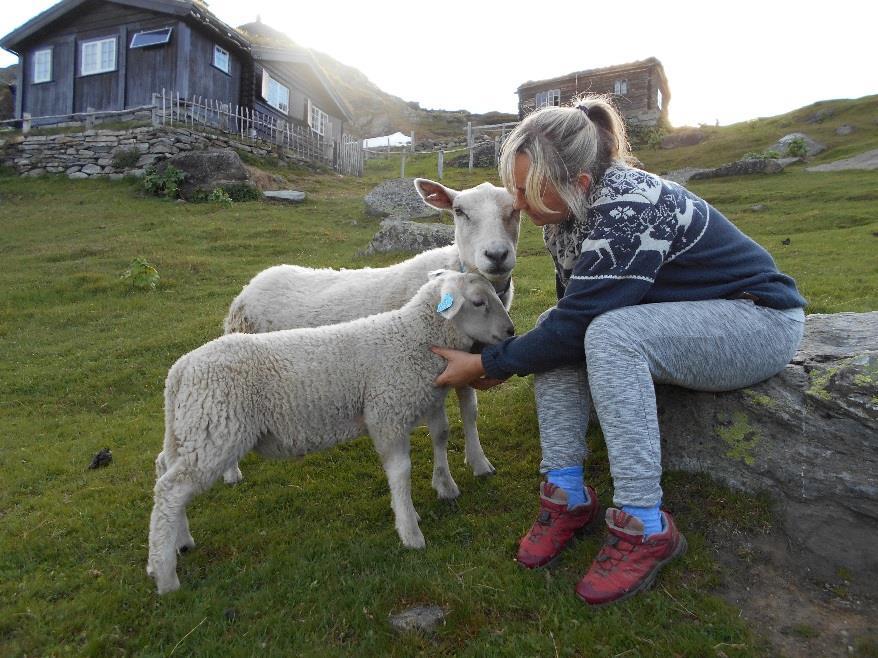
x=730 y=143
x=302 y=557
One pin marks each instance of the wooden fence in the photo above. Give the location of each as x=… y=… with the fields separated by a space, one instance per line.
x=345 y=155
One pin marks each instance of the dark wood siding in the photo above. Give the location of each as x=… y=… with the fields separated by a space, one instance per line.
x=149 y=70
x=125 y=87
x=56 y=96
x=303 y=87
x=637 y=105
x=100 y=91
x=205 y=79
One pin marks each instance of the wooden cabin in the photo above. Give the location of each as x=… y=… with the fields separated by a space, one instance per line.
x=639 y=89
x=115 y=54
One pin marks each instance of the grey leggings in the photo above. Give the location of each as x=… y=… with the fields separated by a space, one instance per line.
x=716 y=345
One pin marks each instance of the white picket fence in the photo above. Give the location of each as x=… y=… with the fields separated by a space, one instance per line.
x=345 y=156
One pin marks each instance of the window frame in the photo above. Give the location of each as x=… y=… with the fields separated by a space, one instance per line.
x=99 y=41
x=551 y=98
x=48 y=78
x=322 y=119
x=219 y=49
x=169 y=30
x=277 y=104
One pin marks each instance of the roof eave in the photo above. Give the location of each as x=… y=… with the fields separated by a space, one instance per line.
x=650 y=61
x=55 y=12
x=303 y=56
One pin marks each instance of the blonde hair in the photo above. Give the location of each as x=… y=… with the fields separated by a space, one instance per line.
x=563 y=142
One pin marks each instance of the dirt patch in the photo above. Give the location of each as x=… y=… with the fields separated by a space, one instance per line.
x=798 y=617
x=867 y=160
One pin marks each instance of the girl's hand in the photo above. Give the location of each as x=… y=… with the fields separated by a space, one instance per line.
x=463 y=369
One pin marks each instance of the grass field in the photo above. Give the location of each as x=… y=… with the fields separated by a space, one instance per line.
x=302 y=557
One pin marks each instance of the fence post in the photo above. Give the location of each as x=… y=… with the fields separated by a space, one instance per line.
x=402 y=164
x=155 y=110
x=469 y=142
x=496 y=150
x=441 y=162
x=25 y=123
x=89 y=118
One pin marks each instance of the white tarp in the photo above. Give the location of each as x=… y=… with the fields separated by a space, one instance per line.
x=396 y=139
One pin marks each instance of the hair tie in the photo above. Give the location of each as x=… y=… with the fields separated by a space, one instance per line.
x=585 y=110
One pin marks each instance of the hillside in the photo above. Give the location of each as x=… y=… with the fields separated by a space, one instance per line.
x=7 y=106
x=301 y=558
x=821 y=121
x=379 y=113
x=376 y=112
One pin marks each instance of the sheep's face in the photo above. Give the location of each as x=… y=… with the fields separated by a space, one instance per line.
x=486 y=225
x=471 y=303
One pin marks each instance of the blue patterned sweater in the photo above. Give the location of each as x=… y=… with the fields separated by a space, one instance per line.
x=644 y=240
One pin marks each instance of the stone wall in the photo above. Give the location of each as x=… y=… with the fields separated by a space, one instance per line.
x=112 y=153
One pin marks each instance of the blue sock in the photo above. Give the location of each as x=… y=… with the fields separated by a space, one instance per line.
x=651 y=517
x=570 y=479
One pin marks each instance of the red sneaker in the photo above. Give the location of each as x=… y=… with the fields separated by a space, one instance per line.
x=555 y=526
x=628 y=563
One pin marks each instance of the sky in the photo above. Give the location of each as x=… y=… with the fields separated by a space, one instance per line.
x=725 y=62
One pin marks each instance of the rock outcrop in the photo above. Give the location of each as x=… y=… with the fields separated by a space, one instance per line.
x=782 y=145
x=205 y=171
x=745 y=167
x=402 y=235
x=397 y=198
x=808 y=436
x=683 y=137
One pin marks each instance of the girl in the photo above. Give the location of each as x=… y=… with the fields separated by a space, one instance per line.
x=654 y=284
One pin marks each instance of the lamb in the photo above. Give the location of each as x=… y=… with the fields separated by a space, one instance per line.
x=292 y=392
x=486 y=228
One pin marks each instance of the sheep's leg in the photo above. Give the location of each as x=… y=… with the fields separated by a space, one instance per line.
x=233 y=474
x=161 y=465
x=173 y=491
x=395 y=458
x=443 y=483
x=184 y=541
x=473 y=453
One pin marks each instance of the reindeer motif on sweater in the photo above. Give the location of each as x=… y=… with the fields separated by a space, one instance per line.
x=643 y=240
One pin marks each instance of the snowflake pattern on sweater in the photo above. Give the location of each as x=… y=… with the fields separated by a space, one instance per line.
x=636 y=222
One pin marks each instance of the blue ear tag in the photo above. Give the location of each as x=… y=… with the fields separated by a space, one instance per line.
x=445 y=303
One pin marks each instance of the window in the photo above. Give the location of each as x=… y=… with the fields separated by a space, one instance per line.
x=658 y=102
x=275 y=93
x=551 y=98
x=98 y=56
x=317 y=119
x=42 y=66
x=620 y=87
x=221 y=59
x=151 y=38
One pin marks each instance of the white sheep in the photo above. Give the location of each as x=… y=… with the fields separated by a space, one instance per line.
x=293 y=392
x=486 y=230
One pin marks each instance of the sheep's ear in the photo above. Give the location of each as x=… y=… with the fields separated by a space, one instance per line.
x=450 y=297
x=435 y=194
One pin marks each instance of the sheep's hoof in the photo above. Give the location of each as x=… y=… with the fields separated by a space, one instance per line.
x=169 y=585
x=414 y=541
x=233 y=476
x=446 y=488
x=484 y=469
